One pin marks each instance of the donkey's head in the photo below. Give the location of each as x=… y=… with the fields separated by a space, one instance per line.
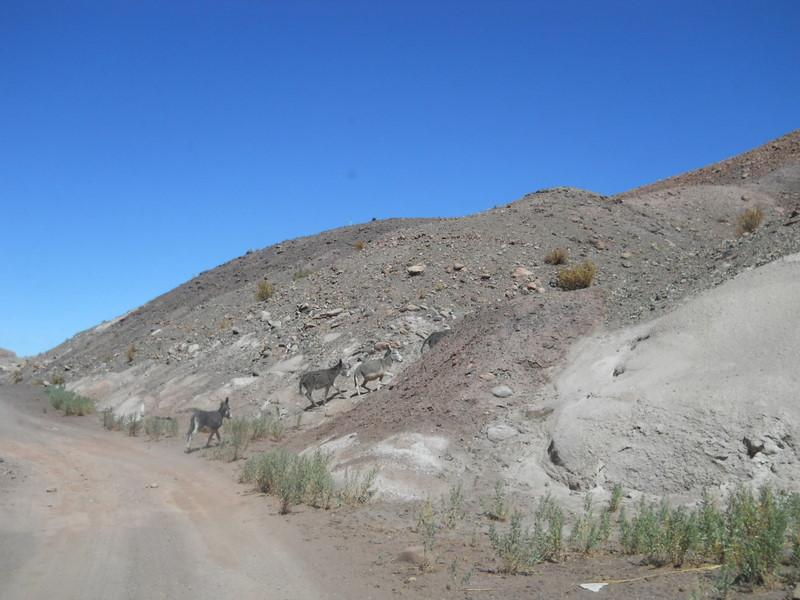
x=225 y=409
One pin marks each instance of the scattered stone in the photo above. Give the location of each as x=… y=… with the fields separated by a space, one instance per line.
x=796 y=592
x=416 y=270
x=486 y=376
x=458 y=266
x=410 y=308
x=51 y=490
x=521 y=273
x=152 y=485
x=501 y=432
x=502 y=391
x=330 y=313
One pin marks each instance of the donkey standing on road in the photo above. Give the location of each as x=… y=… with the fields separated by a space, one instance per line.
x=324 y=378
x=208 y=421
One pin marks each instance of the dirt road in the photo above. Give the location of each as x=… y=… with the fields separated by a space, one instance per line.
x=86 y=513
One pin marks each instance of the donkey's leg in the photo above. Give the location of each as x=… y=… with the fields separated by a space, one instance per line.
x=219 y=437
x=208 y=443
x=190 y=433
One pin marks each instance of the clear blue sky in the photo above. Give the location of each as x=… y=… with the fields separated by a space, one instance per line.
x=142 y=142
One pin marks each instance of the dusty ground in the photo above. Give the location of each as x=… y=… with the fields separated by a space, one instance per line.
x=87 y=513
x=128 y=519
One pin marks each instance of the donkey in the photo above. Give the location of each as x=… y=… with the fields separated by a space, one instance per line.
x=323 y=378
x=433 y=339
x=208 y=421
x=376 y=368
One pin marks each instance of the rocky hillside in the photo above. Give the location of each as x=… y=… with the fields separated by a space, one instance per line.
x=489 y=390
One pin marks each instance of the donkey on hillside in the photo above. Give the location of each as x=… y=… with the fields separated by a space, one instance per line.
x=323 y=378
x=208 y=421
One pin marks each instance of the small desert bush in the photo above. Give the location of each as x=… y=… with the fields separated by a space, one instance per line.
x=749 y=220
x=359 y=245
x=453 y=507
x=70 y=402
x=130 y=354
x=17 y=377
x=590 y=531
x=497 y=508
x=239 y=435
x=357 y=488
x=57 y=380
x=132 y=424
x=556 y=256
x=577 y=277
x=158 y=427
x=427 y=529
x=748 y=537
x=293 y=478
x=616 y=498
x=520 y=548
x=264 y=290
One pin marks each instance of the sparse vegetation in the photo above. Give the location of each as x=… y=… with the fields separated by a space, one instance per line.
x=749 y=537
x=557 y=256
x=293 y=478
x=132 y=424
x=359 y=245
x=158 y=427
x=358 y=488
x=427 y=528
x=498 y=508
x=264 y=290
x=590 y=531
x=130 y=354
x=69 y=402
x=616 y=498
x=749 y=220
x=17 y=377
x=57 y=380
x=453 y=507
x=520 y=548
x=577 y=277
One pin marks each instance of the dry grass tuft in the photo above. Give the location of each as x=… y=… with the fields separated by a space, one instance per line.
x=557 y=256
x=749 y=220
x=577 y=277
x=359 y=245
x=264 y=291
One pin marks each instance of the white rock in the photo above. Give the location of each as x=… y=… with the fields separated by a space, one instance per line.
x=502 y=391
x=498 y=433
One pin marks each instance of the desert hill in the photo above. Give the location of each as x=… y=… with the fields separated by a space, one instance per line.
x=526 y=386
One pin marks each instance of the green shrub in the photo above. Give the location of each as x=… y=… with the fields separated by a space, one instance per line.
x=520 y=548
x=292 y=478
x=497 y=508
x=577 y=277
x=69 y=402
x=616 y=498
x=590 y=531
x=427 y=529
x=453 y=507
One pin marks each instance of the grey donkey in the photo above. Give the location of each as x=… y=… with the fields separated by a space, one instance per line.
x=323 y=378
x=376 y=368
x=433 y=339
x=208 y=421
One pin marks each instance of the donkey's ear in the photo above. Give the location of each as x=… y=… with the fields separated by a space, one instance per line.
x=226 y=400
